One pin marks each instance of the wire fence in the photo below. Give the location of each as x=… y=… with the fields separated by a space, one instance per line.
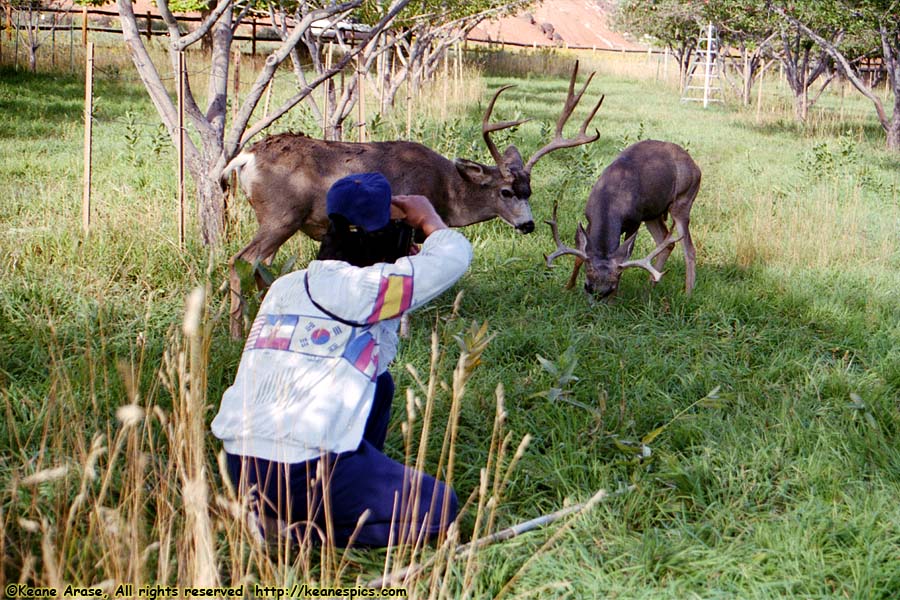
x=30 y=32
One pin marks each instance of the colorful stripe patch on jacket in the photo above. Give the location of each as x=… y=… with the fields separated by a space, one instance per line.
x=362 y=353
x=394 y=297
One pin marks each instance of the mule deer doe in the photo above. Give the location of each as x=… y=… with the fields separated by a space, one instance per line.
x=647 y=181
x=286 y=177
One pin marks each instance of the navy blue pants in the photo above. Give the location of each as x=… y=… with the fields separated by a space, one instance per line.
x=364 y=479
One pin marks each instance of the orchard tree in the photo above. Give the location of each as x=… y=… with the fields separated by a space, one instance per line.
x=877 y=17
x=748 y=27
x=804 y=61
x=416 y=42
x=422 y=42
x=213 y=141
x=675 y=23
x=33 y=25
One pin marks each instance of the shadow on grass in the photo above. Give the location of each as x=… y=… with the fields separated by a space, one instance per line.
x=871 y=129
x=39 y=105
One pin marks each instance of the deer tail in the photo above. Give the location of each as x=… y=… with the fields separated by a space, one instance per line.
x=235 y=164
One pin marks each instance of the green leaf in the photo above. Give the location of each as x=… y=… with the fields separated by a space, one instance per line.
x=264 y=272
x=548 y=366
x=288 y=265
x=653 y=434
x=870 y=419
x=244 y=270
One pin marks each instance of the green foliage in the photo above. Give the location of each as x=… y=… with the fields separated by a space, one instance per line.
x=858 y=22
x=563 y=373
x=741 y=22
x=841 y=161
x=670 y=21
x=132 y=137
x=262 y=274
x=438 y=11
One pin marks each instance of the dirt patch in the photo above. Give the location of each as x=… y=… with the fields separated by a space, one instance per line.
x=557 y=23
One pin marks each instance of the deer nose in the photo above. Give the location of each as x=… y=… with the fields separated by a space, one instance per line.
x=526 y=227
x=599 y=292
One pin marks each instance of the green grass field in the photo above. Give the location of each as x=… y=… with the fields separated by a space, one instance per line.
x=769 y=400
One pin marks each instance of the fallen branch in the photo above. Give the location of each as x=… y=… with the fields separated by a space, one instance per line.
x=464 y=550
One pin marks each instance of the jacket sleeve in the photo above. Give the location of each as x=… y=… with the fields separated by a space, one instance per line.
x=387 y=290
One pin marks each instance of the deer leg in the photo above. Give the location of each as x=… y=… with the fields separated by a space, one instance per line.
x=235 y=321
x=681 y=215
x=573 y=279
x=264 y=244
x=659 y=231
x=689 y=254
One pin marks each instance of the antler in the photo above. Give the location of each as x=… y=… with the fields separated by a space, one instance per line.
x=558 y=142
x=562 y=248
x=644 y=263
x=488 y=128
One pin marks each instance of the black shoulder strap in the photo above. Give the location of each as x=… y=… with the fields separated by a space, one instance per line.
x=325 y=310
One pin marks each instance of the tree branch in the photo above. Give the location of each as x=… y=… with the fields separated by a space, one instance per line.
x=204 y=27
x=844 y=64
x=150 y=76
x=190 y=103
x=236 y=141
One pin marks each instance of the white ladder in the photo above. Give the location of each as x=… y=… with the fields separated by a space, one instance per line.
x=702 y=82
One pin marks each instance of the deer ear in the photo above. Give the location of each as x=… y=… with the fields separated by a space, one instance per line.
x=624 y=251
x=471 y=170
x=513 y=160
x=581 y=238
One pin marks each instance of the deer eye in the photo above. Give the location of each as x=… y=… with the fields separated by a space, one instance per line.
x=506 y=193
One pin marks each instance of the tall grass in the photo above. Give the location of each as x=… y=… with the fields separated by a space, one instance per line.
x=140 y=503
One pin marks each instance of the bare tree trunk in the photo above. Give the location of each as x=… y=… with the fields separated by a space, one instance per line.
x=803 y=69
x=893 y=132
x=211 y=208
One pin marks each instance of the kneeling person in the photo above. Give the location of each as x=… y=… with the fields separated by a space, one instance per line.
x=305 y=421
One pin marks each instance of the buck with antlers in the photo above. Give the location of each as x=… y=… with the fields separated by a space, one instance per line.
x=286 y=177
x=647 y=181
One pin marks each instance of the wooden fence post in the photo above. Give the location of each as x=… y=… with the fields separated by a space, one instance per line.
x=149 y=27
x=446 y=83
x=84 y=17
x=16 y=53
x=759 y=91
x=459 y=71
x=361 y=100
x=329 y=91
x=253 y=42
x=72 y=45
x=382 y=76
x=409 y=108
x=88 y=130
x=237 y=84
x=181 y=149
x=268 y=97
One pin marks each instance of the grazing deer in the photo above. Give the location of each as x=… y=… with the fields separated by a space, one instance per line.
x=647 y=181
x=286 y=177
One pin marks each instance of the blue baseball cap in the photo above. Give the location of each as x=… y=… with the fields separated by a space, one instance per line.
x=364 y=199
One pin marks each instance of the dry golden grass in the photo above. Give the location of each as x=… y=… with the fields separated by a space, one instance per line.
x=822 y=232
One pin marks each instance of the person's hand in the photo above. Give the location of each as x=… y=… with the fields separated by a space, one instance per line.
x=418 y=212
